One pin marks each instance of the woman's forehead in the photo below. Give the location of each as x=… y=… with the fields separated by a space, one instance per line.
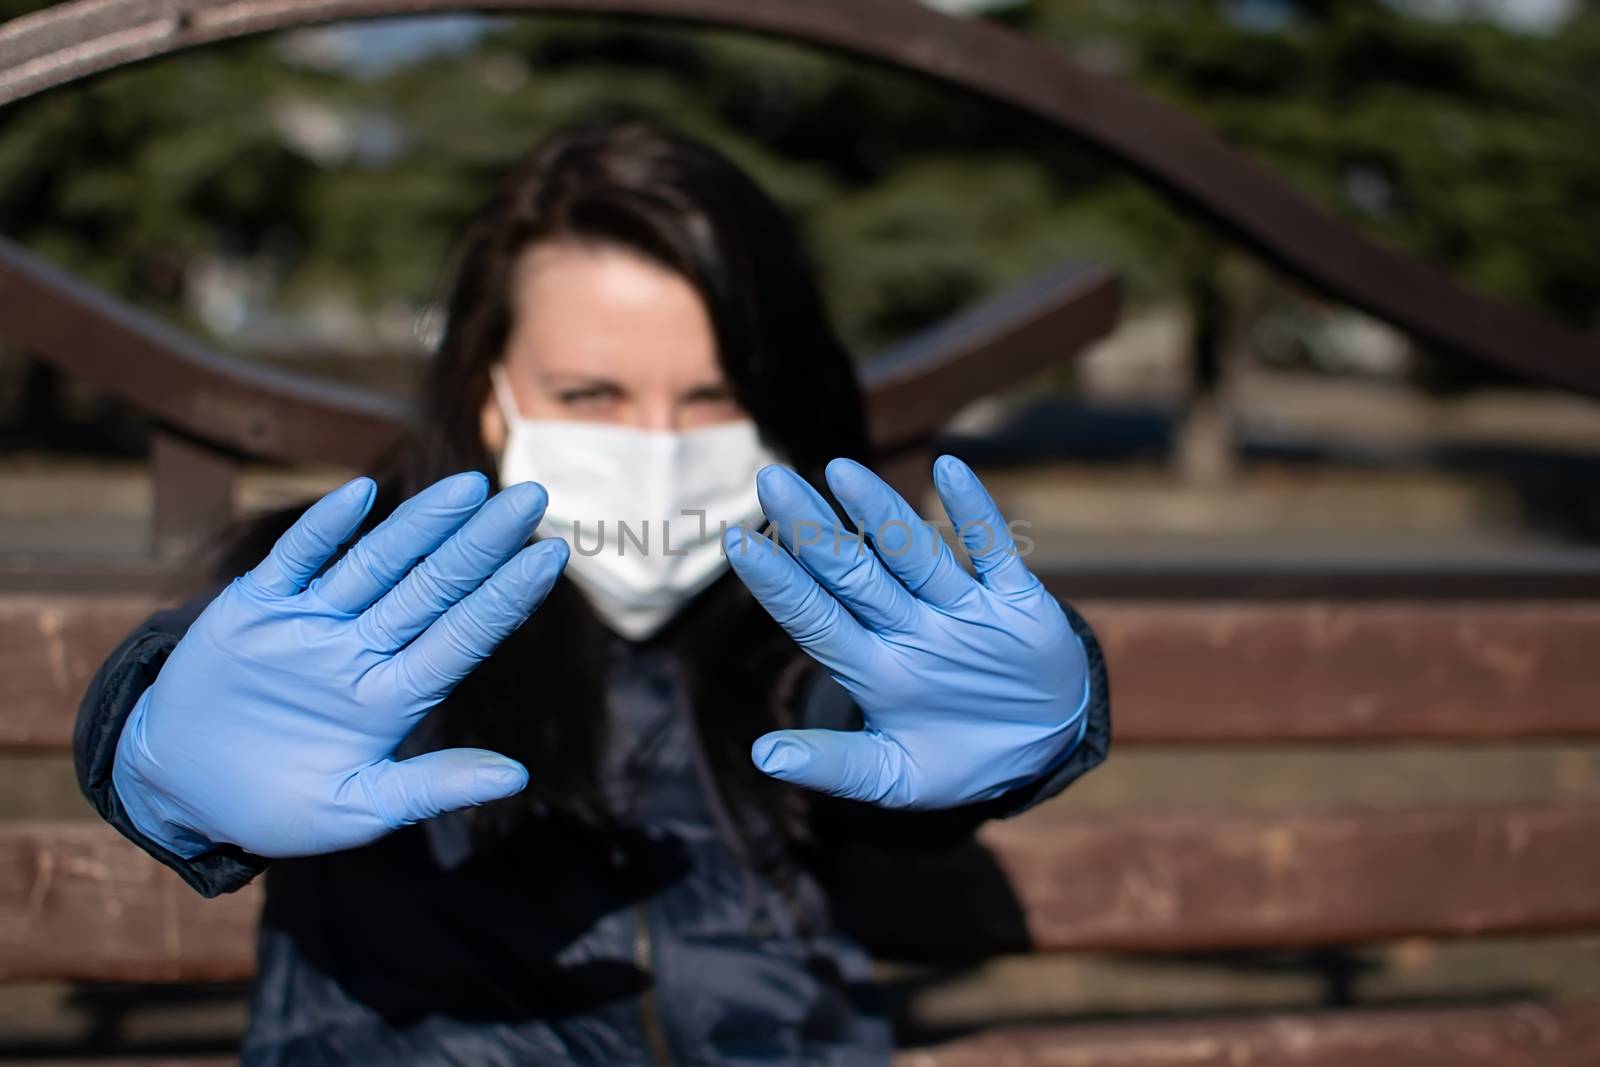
x=595 y=310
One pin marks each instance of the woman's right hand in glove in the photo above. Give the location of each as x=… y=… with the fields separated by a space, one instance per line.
x=273 y=724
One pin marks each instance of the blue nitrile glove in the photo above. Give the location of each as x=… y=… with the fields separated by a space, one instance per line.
x=968 y=686
x=273 y=724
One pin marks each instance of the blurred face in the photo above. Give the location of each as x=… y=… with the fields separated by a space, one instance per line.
x=601 y=334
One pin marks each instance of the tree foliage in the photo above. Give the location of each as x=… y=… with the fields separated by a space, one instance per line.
x=1464 y=144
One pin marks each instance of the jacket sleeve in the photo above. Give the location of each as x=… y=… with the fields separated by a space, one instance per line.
x=110 y=698
x=825 y=704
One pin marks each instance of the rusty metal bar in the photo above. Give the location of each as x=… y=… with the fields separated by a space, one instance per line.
x=915 y=387
x=74 y=40
x=241 y=406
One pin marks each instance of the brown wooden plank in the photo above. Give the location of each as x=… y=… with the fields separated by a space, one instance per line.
x=132 y=1061
x=48 y=575
x=1519 y=574
x=1520 y=1035
x=77 y=901
x=1330 y=671
x=1178 y=881
x=1181 y=672
x=50 y=646
x=1513 y=1035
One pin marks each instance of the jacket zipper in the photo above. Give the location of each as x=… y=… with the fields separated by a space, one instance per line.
x=649 y=1016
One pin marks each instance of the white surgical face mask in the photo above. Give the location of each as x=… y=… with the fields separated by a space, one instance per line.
x=643 y=510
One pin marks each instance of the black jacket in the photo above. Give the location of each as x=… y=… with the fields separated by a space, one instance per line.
x=546 y=945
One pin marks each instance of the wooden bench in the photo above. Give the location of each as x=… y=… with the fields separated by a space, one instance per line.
x=77 y=902
x=1246 y=658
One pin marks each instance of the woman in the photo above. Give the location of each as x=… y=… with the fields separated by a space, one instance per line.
x=506 y=819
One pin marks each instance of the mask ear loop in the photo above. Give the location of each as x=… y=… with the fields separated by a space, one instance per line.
x=504 y=397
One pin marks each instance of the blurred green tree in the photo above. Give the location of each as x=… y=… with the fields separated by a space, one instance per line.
x=1463 y=143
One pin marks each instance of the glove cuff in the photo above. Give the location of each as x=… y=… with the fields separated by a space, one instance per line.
x=107 y=705
x=147 y=808
x=1078 y=722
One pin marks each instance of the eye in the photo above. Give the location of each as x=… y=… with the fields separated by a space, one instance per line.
x=710 y=394
x=588 y=397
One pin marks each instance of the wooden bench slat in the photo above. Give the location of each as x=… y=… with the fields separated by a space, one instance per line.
x=1521 y=1035
x=1190 y=881
x=1512 y=1035
x=79 y=902
x=1332 y=671
x=1182 y=673
x=50 y=646
x=133 y=1061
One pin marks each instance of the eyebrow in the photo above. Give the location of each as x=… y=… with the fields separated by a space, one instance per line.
x=567 y=378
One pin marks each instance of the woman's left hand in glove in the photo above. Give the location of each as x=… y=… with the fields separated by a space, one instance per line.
x=969 y=684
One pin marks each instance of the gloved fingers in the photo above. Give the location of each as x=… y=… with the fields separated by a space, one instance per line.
x=910 y=547
x=465 y=635
x=982 y=529
x=418 y=526
x=431 y=784
x=807 y=612
x=838 y=559
x=854 y=764
x=315 y=536
x=491 y=536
